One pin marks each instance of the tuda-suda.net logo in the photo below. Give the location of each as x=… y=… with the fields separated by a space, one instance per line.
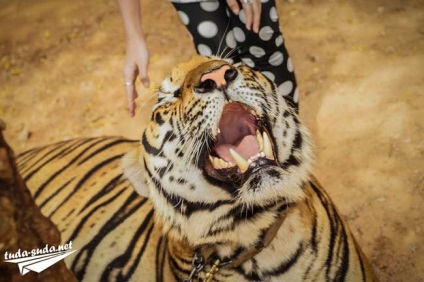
x=38 y=260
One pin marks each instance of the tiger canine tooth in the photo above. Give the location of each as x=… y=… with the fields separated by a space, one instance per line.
x=260 y=140
x=267 y=146
x=239 y=160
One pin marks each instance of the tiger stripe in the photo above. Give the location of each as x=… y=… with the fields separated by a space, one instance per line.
x=110 y=215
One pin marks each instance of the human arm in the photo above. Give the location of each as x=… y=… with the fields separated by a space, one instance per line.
x=137 y=53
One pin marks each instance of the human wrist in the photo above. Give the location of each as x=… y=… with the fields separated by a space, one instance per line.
x=135 y=43
x=135 y=38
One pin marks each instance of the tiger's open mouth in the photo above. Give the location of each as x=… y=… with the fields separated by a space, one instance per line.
x=243 y=145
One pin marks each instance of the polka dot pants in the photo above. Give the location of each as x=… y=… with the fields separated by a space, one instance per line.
x=217 y=31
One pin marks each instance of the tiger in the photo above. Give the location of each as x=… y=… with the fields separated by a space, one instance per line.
x=219 y=188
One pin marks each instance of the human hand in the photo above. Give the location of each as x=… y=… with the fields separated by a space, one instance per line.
x=136 y=64
x=252 y=9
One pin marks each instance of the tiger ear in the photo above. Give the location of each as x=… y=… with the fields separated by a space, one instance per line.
x=134 y=171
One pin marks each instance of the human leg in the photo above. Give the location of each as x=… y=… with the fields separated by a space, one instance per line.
x=217 y=31
x=266 y=50
x=208 y=24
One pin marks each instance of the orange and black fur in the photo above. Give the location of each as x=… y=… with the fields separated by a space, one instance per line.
x=223 y=158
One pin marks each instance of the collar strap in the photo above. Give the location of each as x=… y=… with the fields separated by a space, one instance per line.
x=250 y=252
x=199 y=262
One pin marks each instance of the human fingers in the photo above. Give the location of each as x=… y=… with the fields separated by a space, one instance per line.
x=248 y=11
x=142 y=59
x=257 y=10
x=131 y=96
x=130 y=75
x=142 y=69
x=234 y=6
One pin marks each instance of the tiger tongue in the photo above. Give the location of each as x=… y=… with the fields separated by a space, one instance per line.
x=246 y=147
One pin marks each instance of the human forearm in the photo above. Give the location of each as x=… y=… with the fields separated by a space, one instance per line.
x=131 y=17
x=137 y=58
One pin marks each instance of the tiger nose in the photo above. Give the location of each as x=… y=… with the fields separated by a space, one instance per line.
x=221 y=76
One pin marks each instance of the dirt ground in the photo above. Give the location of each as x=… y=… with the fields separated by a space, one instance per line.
x=359 y=64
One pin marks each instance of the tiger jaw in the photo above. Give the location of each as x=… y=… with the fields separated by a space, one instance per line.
x=265 y=151
x=243 y=146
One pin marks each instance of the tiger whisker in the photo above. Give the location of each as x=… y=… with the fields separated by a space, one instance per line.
x=179 y=202
x=150 y=96
x=231 y=52
x=179 y=142
x=222 y=39
x=188 y=157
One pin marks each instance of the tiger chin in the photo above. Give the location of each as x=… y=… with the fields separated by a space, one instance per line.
x=227 y=164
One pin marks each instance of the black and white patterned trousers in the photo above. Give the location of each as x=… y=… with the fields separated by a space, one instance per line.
x=217 y=31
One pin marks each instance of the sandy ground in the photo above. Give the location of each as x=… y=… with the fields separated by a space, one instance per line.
x=360 y=67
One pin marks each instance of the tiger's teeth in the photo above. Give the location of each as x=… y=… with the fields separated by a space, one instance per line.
x=218 y=131
x=267 y=146
x=219 y=163
x=230 y=164
x=260 y=140
x=215 y=163
x=239 y=160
